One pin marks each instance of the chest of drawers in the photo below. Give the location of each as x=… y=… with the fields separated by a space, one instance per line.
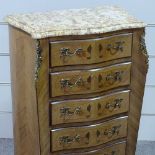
x=78 y=80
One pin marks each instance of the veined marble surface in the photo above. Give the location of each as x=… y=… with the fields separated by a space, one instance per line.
x=74 y=21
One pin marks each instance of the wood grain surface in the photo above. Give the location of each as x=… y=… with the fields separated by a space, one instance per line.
x=42 y=88
x=80 y=94
x=25 y=115
x=138 y=78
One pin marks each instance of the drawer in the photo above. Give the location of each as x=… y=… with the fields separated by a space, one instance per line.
x=91 y=109
x=76 y=52
x=88 y=136
x=89 y=81
x=116 y=149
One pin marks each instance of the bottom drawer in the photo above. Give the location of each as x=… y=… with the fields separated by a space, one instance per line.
x=115 y=149
x=88 y=136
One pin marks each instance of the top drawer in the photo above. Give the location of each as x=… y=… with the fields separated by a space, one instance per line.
x=76 y=52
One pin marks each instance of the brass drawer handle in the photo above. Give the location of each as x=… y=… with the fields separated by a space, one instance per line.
x=113 y=131
x=66 y=112
x=109 y=133
x=113 y=49
x=114 y=105
x=70 y=83
x=64 y=140
x=113 y=77
x=110 y=78
x=67 y=83
x=66 y=52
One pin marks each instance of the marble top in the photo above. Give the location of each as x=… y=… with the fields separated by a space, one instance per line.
x=74 y=21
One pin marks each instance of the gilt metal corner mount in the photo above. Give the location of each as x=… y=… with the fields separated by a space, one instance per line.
x=143 y=48
x=38 y=59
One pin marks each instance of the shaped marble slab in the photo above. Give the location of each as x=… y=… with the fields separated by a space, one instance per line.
x=74 y=21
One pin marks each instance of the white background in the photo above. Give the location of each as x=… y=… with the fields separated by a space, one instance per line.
x=142 y=9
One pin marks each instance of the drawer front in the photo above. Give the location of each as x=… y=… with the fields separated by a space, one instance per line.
x=116 y=149
x=87 y=136
x=91 y=109
x=90 y=51
x=89 y=81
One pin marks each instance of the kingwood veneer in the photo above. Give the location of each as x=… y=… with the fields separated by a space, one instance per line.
x=78 y=80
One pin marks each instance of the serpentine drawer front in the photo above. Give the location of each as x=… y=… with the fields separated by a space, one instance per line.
x=78 y=81
x=87 y=136
x=117 y=149
x=90 y=51
x=89 y=81
x=91 y=109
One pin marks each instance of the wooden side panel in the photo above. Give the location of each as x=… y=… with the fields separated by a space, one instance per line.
x=138 y=77
x=26 y=133
x=42 y=85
